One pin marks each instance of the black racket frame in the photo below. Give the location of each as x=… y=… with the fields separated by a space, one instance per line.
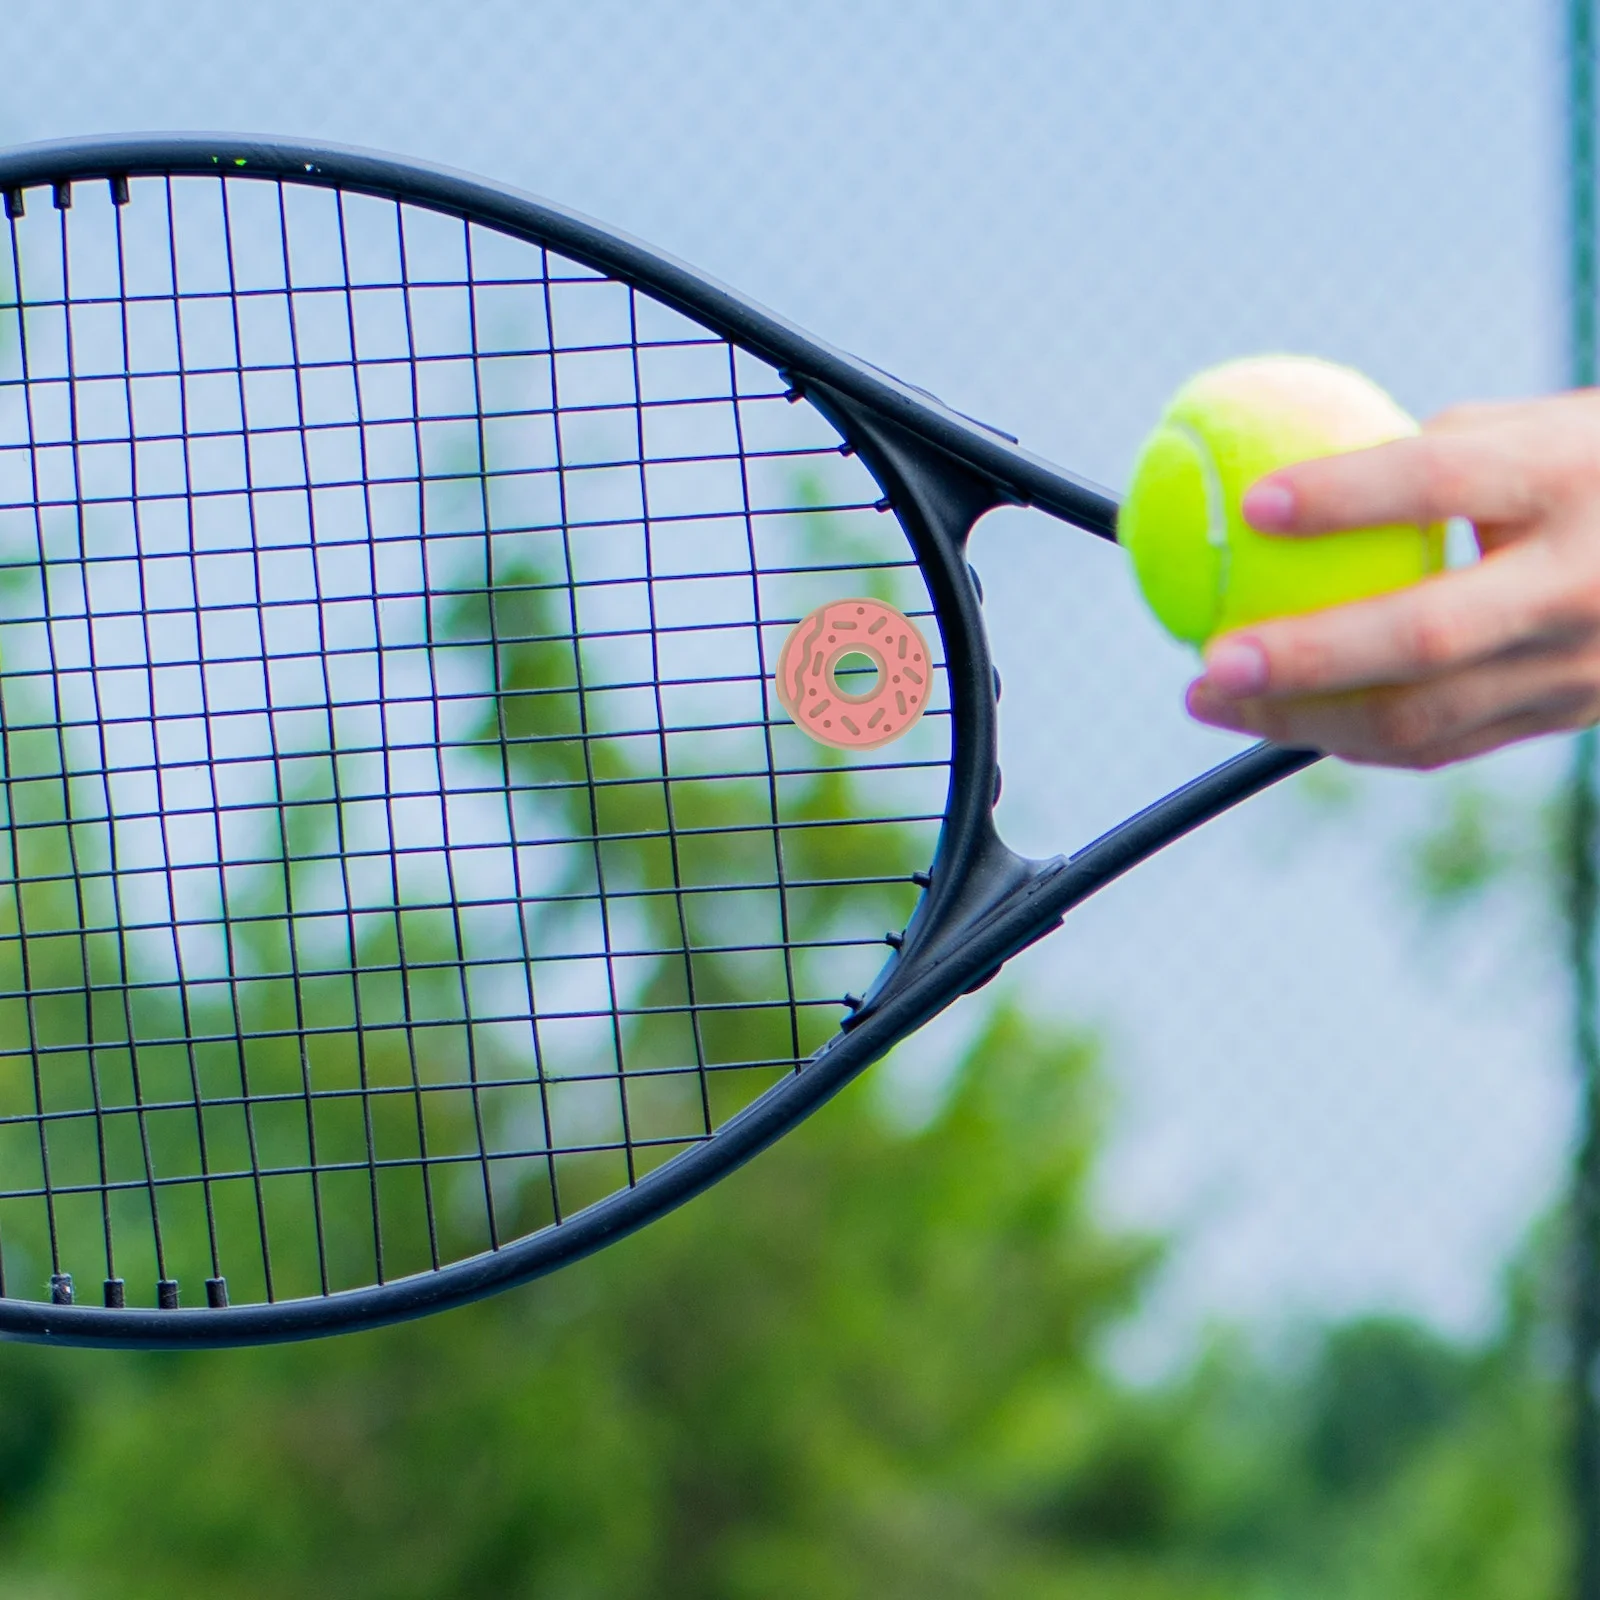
x=981 y=903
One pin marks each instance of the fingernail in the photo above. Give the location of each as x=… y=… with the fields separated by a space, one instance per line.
x=1268 y=506
x=1236 y=667
x=1204 y=706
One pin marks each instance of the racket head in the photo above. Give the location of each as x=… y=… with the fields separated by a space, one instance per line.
x=409 y=880
x=414 y=883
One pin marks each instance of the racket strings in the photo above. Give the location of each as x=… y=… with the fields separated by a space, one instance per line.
x=403 y=848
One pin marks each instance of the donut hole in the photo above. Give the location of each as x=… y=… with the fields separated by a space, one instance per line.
x=856 y=675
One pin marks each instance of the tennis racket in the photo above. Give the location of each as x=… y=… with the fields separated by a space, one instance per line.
x=494 y=729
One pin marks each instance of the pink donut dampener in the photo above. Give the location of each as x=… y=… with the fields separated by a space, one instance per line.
x=889 y=701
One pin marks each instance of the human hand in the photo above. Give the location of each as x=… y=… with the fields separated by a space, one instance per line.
x=1465 y=661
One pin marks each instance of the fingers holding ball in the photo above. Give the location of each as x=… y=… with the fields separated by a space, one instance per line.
x=1202 y=566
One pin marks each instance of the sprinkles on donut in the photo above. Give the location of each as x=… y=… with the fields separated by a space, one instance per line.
x=831 y=713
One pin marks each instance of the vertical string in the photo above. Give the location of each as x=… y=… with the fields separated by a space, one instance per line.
x=302 y=1033
x=663 y=744
x=114 y=1289
x=499 y=663
x=774 y=809
x=96 y=738
x=585 y=736
x=25 y=954
x=167 y=1285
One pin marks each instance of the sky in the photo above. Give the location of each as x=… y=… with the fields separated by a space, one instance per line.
x=1050 y=212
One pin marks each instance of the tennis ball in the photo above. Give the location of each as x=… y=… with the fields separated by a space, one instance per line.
x=1202 y=568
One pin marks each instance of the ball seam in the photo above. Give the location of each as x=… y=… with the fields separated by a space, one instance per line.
x=1217 y=531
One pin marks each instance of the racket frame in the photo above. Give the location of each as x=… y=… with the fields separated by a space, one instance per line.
x=981 y=903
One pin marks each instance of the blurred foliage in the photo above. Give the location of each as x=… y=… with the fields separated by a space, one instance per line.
x=1484 y=837
x=871 y=1364
x=1467 y=849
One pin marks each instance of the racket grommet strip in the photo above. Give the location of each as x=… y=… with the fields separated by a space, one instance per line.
x=923 y=880
x=217 y=1293
x=61 y=194
x=119 y=188
x=16 y=205
x=894 y=940
x=115 y=1294
x=61 y=1288
x=167 y=1293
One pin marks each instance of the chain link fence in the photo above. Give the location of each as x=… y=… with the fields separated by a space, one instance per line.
x=1050 y=214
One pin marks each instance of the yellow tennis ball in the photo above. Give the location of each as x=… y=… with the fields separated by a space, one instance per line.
x=1202 y=568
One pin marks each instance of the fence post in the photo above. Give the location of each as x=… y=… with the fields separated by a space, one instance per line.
x=1578 y=868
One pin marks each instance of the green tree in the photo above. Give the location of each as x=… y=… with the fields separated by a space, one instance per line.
x=857 y=1368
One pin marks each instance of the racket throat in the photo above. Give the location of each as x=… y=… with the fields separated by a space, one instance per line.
x=1001 y=905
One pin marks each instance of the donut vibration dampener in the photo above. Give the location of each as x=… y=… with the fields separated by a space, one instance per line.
x=843 y=643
